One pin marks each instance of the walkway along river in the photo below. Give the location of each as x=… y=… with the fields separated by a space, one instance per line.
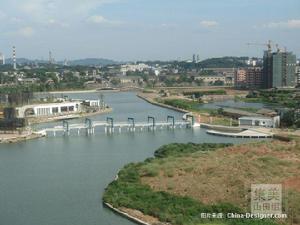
x=60 y=180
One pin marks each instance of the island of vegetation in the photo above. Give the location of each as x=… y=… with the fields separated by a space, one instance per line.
x=184 y=180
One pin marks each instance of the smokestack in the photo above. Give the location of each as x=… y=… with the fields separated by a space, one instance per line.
x=14 y=58
x=50 y=57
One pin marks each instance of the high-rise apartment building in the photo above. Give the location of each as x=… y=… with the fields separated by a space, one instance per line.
x=279 y=69
x=254 y=77
x=250 y=77
x=240 y=77
x=298 y=74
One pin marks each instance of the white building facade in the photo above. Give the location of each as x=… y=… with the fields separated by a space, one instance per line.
x=50 y=109
x=270 y=122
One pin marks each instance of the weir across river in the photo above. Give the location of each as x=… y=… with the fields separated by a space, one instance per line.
x=110 y=126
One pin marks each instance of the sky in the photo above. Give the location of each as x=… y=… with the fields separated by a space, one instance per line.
x=146 y=29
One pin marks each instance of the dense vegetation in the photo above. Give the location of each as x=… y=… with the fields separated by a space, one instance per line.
x=224 y=62
x=16 y=95
x=127 y=191
x=190 y=106
x=199 y=94
x=183 y=104
x=288 y=99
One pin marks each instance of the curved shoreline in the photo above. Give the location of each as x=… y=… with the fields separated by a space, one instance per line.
x=161 y=104
x=122 y=213
x=125 y=215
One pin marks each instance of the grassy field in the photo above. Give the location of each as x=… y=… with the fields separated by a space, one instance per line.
x=184 y=180
x=205 y=113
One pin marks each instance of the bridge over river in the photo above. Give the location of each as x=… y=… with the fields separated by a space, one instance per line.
x=110 y=126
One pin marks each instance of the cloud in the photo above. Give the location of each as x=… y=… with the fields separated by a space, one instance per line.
x=208 y=23
x=291 y=24
x=2 y=15
x=98 y=19
x=168 y=25
x=31 y=6
x=26 y=32
x=53 y=22
x=41 y=11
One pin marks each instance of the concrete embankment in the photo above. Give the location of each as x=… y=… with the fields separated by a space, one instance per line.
x=151 y=101
x=222 y=128
x=126 y=215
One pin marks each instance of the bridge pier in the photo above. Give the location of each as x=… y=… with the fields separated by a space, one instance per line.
x=66 y=127
x=110 y=121
x=192 y=122
x=172 y=118
x=132 y=126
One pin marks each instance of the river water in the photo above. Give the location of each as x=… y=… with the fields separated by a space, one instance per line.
x=60 y=180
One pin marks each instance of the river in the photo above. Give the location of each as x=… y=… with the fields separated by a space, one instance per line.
x=60 y=180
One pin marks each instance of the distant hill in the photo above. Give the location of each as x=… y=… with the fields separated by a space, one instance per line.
x=224 y=62
x=92 y=62
x=22 y=61
x=79 y=62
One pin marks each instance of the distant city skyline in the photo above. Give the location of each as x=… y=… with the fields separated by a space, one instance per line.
x=130 y=30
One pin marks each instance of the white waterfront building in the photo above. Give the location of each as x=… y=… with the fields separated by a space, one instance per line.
x=49 y=109
x=260 y=121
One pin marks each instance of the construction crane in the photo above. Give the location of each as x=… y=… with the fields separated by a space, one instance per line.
x=281 y=49
x=269 y=45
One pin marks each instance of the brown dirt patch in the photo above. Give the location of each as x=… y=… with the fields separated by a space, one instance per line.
x=292 y=183
x=226 y=175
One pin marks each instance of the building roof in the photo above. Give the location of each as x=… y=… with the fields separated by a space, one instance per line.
x=266 y=111
x=255 y=118
x=239 y=112
x=52 y=104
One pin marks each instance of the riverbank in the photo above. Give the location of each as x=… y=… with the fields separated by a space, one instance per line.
x=179 y=104
x=14 y=138
x=83 y=91
x=150 y=98
x=185 y=180
x=208 y=118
